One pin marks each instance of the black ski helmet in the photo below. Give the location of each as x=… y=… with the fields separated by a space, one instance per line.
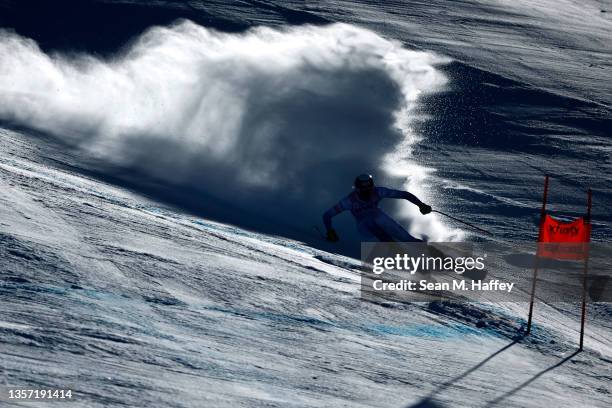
x=364 y=182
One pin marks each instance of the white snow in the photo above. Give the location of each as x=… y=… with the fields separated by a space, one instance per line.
x=128 y=302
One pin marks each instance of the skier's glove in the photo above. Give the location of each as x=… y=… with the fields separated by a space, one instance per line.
x=424 y=208
x=331 y=235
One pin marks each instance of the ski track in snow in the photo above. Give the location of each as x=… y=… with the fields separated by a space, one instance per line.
x=101 y=288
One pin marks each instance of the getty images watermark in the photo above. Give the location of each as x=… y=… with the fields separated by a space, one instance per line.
x=477 y=272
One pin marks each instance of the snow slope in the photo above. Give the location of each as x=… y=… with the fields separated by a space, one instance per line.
x=126 y=275
x=129 y=303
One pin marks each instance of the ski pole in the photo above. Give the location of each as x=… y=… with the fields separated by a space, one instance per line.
x=463 y=222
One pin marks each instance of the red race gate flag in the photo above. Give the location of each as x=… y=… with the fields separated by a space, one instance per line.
x=564 y=240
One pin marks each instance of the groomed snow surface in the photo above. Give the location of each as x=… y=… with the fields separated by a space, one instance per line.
x=131 y=304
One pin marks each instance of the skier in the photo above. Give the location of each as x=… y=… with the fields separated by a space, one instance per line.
x=372 y=222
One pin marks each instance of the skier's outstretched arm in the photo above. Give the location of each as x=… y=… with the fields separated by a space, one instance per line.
x=390 y=193
x=331 y=234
